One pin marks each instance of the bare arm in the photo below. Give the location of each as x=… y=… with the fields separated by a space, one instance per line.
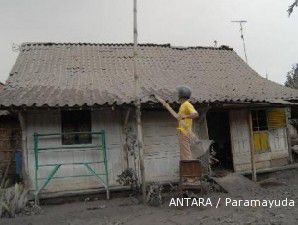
x=167 y=106
x=174 y=114
x=191 y=116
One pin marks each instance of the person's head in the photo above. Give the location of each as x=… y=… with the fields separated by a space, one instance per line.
x=184 y=93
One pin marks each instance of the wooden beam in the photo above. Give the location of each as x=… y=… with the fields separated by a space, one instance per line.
x=25 y=156
x=273 y=169
x=252 y=148
x=289 y=141
x=125 y=132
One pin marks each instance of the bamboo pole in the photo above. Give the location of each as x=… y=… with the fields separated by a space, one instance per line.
x=138 y=101
x=252 y=148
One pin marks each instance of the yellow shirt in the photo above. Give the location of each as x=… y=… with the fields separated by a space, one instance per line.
x=185 y=125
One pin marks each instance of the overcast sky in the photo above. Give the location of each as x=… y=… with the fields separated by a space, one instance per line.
x=271 y=37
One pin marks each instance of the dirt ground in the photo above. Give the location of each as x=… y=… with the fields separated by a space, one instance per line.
x=280 y=185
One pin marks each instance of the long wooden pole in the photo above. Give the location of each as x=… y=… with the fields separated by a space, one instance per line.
x=252 y=148
x=138 y=101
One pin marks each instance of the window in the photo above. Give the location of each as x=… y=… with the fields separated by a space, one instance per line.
x=259 y=120
x=76 y=121
x=260 y=131
x=277 y=118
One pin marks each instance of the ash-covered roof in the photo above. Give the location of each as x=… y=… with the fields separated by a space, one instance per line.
x=1 y=86
x=2 y=112
x=70 y=74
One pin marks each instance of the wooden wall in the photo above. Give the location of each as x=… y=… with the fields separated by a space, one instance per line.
x=10 y=140
x=241 y=147
x=49 y=122
x=161 y=148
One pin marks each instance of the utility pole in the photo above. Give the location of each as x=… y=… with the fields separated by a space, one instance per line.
x=242 y=35
x=138 y=100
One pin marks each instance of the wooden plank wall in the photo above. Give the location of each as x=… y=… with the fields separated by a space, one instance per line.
x=240 y=143
x=49 y=122
x=160 y=146
x=10 y=140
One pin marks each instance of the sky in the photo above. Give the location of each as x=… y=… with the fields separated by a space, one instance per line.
x=271 y=36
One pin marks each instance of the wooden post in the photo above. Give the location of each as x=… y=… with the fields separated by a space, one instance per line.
x=25 y=154
x=138 y=101
x=252 y=148
x=126 y=133
x=289 y=140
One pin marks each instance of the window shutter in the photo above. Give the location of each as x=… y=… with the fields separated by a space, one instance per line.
x=276 y=118
x=261 y=141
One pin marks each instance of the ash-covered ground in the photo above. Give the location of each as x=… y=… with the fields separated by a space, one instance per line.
x=278 y=186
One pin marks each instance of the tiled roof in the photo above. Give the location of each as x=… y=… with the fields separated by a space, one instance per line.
x=1 y=86
x=68 y=74
x=2 y=112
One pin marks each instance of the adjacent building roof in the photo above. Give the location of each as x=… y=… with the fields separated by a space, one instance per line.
x=2 y=112
x=1 y=86
x=70 y=74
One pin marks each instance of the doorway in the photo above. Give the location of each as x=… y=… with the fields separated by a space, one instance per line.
x=219 y=132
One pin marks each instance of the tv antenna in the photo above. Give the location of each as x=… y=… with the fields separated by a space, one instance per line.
x=241 y=22
x=215 y=44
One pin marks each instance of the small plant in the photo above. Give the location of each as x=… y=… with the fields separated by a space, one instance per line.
x=12 y=200
x=129 y=178
x=154 y=197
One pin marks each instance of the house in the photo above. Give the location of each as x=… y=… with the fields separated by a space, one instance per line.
x=57 y=88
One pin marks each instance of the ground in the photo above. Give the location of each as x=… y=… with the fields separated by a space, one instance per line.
x=280 y=185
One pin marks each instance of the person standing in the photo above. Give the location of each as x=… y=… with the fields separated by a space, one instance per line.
x=186 y=115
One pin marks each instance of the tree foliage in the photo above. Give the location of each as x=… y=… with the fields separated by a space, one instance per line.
x=291 y=7
x=292 y=77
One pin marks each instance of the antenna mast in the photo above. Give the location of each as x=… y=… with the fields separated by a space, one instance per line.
x=242 y=35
